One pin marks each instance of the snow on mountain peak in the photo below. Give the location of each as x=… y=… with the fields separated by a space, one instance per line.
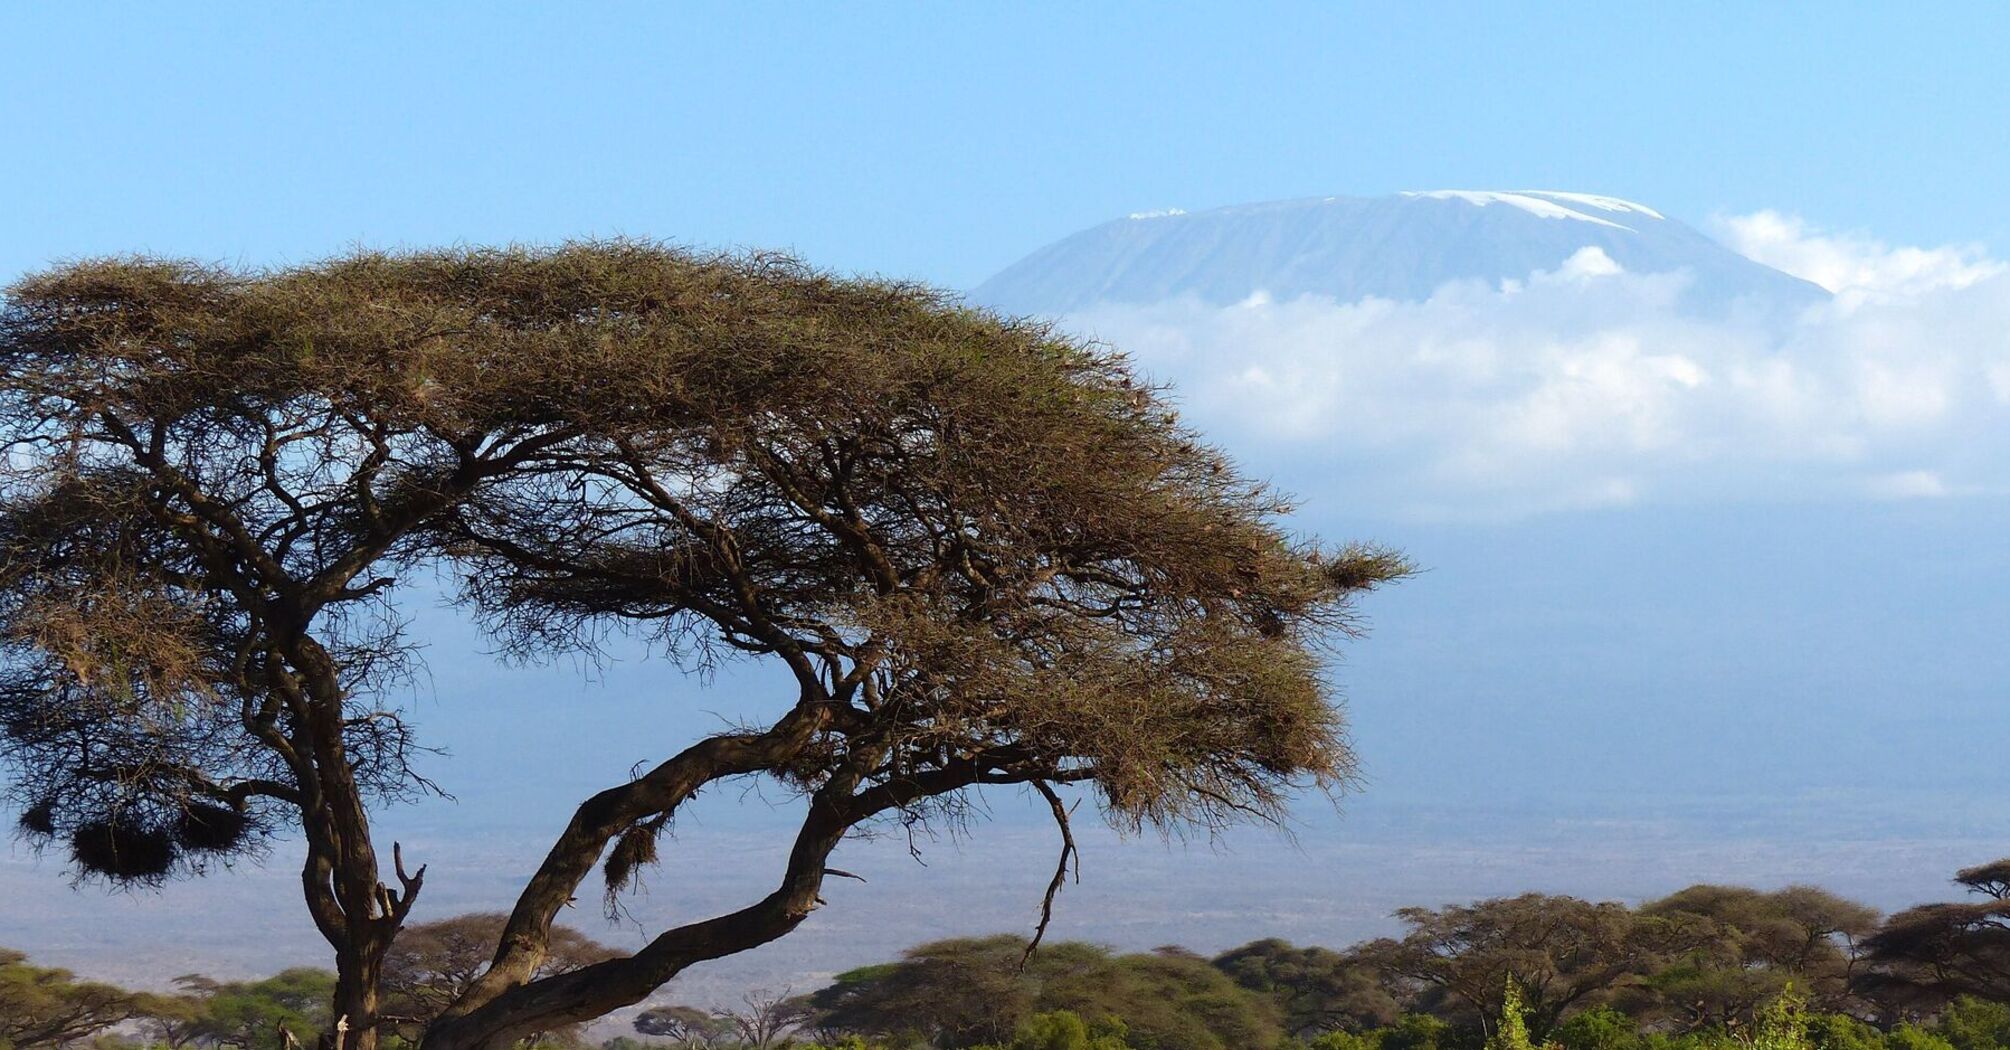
x=1548 y=204
x=1596 y=201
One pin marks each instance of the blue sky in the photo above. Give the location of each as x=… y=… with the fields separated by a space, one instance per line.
x=943 y=141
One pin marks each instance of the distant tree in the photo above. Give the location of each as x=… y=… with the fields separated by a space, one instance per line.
x=1740 y=948
x=957 y=992
x=432 y=964
x=1927 y=956
x=686 y=1026
x=177 y=1019
x=969 y=992
x=1318 y=989
x=764 y=1016
x=1168 y=999
x=278 y=1011
x=1561 y=952
x=43 y=1006
x=984 y=553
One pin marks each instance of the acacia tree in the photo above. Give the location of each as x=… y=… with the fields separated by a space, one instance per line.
x=983 y=551
x=979 y=991
x=48 y=1007
x=686 y=1026
x=275 y=1011
x=1318 y=989
x=1928 y=955
x=765 y=1014
x=1558 y=953
x=1744 y=947
x=210 y=479
x=431 y=964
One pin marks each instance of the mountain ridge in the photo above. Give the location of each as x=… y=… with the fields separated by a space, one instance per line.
x=1401 y=246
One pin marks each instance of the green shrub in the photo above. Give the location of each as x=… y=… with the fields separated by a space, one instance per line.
x=1065 y=1030
x=1783 y=1024
x=1511 y=1031
x=1974 y=1024
x=1842 y=1032
x=1707 y=1039
x=1414 y=1032
x=1602 y=1028
x=1913 y=1037
x=1346 y=1041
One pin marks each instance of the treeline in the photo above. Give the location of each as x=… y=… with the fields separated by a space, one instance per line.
x=1692 y=971
x=429 y=966
x=1708 y=968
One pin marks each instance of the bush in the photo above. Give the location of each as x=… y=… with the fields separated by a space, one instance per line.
x=1346 y=1041
x=1975 y=1024
x=1065 y=1030
x=1842 y=1032
x=1783 y=1024
x=1511 y=1031
x=1414 y=1032
x=1913 y=1037
x=1602 y=1028
x=1707 y=1039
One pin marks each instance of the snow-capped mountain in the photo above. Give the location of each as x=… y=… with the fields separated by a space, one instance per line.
x=1400 y=247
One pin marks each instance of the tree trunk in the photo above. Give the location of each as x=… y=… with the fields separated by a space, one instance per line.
x=357 y=913
x=358 y=980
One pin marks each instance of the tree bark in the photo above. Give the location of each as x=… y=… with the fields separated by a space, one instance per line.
x=526 y=936
x=359 y=915
x=594 y=991
x=358 y=995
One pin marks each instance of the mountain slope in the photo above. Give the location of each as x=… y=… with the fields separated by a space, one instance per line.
x=1399 y=247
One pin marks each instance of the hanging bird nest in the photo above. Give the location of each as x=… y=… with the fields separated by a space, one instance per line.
x=209 y=827
x=633 y=851
x=40 y=818
x=123 y=852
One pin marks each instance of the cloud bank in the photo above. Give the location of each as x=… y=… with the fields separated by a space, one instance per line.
x=1853 y=266
x=1585 y=386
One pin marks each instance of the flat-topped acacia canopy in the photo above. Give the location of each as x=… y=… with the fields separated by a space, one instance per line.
x=987 y=554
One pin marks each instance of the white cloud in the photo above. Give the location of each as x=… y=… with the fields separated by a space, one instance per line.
x=1586 y=386
x=1853 y=265
x=1588 y=262
x=1907 y=484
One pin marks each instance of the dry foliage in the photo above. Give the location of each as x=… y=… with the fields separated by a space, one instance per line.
x=987 y=554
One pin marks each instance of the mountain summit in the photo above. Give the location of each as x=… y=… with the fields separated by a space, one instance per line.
x=1400 y=247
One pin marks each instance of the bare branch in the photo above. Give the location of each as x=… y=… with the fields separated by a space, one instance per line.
x=1068 y=853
